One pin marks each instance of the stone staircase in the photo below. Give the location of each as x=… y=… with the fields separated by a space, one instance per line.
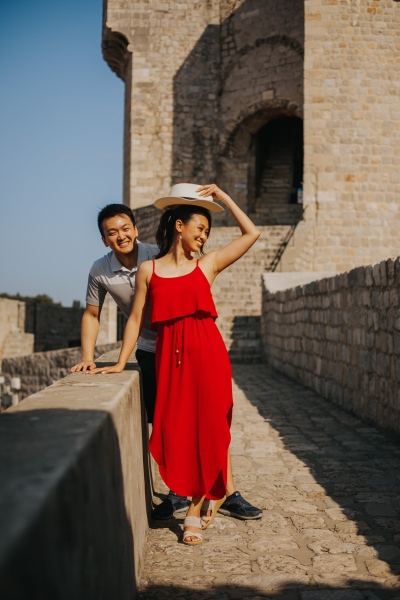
x=275 y=203
x=273 y=206
x=237 y=290
x=276 y=182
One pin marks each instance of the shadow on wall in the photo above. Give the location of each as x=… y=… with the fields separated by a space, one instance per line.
x=65 y=532
x=195 y=122
x=355 y=464
x=239 y=77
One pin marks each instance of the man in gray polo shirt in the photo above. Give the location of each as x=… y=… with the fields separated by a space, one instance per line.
x=115 y=273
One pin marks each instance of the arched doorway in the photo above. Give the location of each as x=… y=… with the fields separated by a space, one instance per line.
x=276 y=171
x=261 y=164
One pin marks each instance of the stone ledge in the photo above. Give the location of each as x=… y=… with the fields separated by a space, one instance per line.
x=277 y=282
x=75 y=489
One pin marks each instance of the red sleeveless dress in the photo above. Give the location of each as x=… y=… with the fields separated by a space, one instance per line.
x=191 y=428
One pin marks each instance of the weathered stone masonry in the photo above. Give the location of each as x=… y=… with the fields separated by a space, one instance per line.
x=198 y=95
x=351 y=134
x=195 y=96
x=340 y=336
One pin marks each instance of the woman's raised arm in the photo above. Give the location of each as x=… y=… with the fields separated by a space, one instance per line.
x=136 y=319
x=234 y=250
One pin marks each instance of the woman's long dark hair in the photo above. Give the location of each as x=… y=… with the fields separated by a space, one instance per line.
x=166 y=229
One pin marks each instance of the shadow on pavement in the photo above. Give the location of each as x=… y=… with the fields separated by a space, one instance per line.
x=357 y=466
x=286 y=592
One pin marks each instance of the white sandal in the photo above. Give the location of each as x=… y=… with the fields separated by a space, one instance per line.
x=212 y=505
x=192 y=522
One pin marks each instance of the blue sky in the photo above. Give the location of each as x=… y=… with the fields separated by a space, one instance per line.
x=61 y=135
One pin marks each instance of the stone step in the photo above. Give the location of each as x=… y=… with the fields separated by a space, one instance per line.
x=245 y=356
x=237 y=290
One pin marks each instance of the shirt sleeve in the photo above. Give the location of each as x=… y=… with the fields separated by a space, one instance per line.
x=152 y=251
x=95 y=292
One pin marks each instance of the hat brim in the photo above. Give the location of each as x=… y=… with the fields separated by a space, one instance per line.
x=170 y=201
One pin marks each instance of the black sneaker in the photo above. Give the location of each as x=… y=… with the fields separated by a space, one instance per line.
x=170 y=507
x=236 y=506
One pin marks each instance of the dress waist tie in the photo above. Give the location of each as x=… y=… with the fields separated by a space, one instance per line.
x=178 y=341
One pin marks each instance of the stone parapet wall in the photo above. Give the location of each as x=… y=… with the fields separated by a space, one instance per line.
x=75 y=493
x=339 y=336
x=42 y=369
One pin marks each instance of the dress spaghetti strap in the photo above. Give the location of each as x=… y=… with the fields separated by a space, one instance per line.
x=154 y=265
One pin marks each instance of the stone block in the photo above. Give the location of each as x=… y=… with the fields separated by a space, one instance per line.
x=76 y=451
x=356 y=277
x=376 y=274
x=383 y=273
x=390 y=271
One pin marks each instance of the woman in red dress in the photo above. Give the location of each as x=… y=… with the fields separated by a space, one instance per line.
x=191 y=429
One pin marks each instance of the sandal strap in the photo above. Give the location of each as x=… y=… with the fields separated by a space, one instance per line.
x=192 y=522
x=187 y=534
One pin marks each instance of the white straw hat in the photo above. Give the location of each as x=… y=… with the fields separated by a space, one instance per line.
x=185 y=193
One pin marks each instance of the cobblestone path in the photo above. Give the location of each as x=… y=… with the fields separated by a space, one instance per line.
x=329 y=485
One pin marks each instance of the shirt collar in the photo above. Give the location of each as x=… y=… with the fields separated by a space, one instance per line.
x=116 y=265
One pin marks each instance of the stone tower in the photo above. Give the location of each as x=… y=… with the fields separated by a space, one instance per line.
x=261 y=95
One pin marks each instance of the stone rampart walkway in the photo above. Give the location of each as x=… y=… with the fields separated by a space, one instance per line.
x=330 y=488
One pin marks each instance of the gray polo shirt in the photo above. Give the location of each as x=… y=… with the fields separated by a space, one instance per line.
x=109 y=275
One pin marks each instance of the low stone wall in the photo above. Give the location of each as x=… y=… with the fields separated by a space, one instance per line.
x=42 y=369
x=339 y=336
x=75 y=490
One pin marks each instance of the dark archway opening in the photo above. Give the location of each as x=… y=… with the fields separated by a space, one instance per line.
x=275 y=172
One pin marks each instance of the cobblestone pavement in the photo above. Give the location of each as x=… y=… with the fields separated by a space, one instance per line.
x=329 y=486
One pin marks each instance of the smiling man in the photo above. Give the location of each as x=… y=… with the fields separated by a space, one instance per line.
x=115 y=273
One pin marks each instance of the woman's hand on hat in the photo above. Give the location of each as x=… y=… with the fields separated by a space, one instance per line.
x=213 y=190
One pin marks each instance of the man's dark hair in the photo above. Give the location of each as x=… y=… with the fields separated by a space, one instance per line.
x=113 y=210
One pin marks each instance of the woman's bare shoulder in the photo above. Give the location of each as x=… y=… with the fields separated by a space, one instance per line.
x=145 y=268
